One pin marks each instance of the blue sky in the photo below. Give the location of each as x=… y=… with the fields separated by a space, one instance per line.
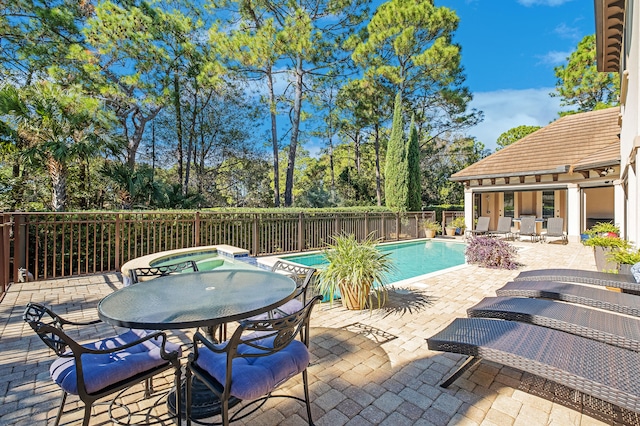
x=509 y=50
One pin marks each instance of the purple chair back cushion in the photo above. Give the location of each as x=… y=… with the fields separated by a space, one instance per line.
x=254 y=377
x=101 y=371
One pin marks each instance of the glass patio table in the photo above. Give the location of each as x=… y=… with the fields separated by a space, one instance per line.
x=191 y=300
x=200 y=299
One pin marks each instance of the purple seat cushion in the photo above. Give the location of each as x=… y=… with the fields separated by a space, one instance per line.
x=101 y=371
x=254 y=377
x=635 y=271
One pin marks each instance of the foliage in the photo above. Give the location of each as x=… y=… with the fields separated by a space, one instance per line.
x=432 y=225
x=491 y=253
x=458 y=222
x=606 y=241
x=581 y=85
x=357 y=265
x=396 y=171
x=514 y=134
x=624 y=256
x=414 y=199
x=604 y=228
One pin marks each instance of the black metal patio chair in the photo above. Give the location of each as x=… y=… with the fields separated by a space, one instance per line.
x=161 y=271
x=101 y=368
x=259 y=357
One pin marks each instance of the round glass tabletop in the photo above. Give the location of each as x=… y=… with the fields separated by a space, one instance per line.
x=196 y=299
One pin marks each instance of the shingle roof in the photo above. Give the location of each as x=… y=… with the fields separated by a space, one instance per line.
x=572 y=141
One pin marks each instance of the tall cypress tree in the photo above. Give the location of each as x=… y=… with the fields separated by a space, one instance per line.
x=414 y=198
x=396 y=171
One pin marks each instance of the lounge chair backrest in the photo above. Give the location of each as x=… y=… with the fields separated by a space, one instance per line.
x=504 y=224
x=528 y=225
x=483 y=224
x=555 y=227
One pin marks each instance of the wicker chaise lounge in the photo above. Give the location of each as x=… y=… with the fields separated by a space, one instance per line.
x=623 y=281
x=607 y=327
x=623 y=303
x=600 y=370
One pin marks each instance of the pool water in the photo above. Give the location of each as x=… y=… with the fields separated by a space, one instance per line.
x=206 y=261
x=411 y=259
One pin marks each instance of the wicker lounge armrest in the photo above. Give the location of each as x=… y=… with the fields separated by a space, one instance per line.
x=622 y=303
x=603 y=371
x=623 y=281
x=614 y=329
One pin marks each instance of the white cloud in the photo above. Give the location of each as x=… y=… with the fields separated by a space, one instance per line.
x=554 y=58
x=552 y=3
x=505 y=109
x=565 y=31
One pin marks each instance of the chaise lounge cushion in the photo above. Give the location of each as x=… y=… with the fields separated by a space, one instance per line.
x=253 y=377
x=103 y=370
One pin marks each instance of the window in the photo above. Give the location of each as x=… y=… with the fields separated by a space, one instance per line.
x=548 y=204
x=508 y=204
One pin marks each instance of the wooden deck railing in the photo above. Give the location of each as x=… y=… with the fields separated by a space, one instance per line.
x=55 y=245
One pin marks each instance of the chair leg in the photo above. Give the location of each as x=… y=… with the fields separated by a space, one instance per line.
x=61 y=408
x=188 y=378
x=305 y=381
x=87 y=414
x=224 y=403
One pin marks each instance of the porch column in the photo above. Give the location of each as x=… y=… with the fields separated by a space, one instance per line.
x=468 y=208
x=573 y=212
x=619 y=207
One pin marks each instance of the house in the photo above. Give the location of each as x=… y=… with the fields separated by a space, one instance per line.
x=568 y=169
x=617 y=50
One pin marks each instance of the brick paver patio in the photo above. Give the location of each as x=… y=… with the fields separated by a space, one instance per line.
x=367 y=368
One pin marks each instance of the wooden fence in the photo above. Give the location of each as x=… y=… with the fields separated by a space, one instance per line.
x=55 y=245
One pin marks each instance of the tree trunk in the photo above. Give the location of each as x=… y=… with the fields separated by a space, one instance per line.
x=139 y=121
x=378 y=177
x=274 y=138
x=194 y=116
x=57 y=174
x=176 y=105
x=295 y=130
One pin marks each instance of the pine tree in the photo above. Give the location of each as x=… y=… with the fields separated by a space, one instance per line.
x=396 y=171
x=414 y=198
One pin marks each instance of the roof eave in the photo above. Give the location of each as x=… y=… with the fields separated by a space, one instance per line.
x=559 y=169
x=609 y=15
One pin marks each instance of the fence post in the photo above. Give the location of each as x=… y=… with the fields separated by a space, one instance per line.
x=398 y=226
x=256 y=237
x=196 y=239
x=336 y=224
x=4 y=253
x=19 y=245
x=366 y=224
x=384 y=226
x=118 y=229
x=300 y=231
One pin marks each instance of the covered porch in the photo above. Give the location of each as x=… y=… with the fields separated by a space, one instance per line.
x=569 y=169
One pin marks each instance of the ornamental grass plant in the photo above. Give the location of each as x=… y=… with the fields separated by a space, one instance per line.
x=491 y=253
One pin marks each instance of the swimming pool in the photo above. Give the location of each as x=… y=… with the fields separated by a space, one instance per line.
x=411 y=259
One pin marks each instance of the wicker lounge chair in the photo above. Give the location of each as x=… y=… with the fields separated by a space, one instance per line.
x=543 y=352
x=504 y=228
x=622 y=303
x=625 y=282
x=614 y=329
x=555 y=229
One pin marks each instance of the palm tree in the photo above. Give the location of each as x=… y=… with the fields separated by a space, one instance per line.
x=60 y=125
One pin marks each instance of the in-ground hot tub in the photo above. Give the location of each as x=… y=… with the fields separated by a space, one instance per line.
x=207 y=258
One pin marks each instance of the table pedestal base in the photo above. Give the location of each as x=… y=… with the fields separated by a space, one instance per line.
x=204 y=403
